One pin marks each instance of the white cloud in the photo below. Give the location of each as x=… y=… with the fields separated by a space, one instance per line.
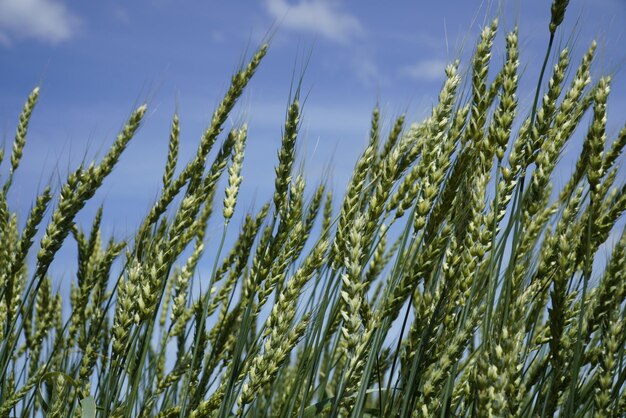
x=426 y=70
x=46 y=20
x=321 y=17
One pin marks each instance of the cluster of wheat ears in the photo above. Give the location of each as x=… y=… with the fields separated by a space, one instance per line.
x=451 y=281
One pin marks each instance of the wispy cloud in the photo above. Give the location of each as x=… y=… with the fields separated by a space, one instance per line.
x=4 y=39
x=121 y=15
x=45 y=20
x=425 y=70
x=366 y=69
x=320 y=17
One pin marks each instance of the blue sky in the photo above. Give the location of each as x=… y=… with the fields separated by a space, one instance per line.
x=97 y=60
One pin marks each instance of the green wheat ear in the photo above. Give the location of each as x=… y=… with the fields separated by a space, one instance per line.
x=558 y=13
x=20 y=135
x=234 y=174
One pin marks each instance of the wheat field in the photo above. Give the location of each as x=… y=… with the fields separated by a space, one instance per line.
x=452 y=279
